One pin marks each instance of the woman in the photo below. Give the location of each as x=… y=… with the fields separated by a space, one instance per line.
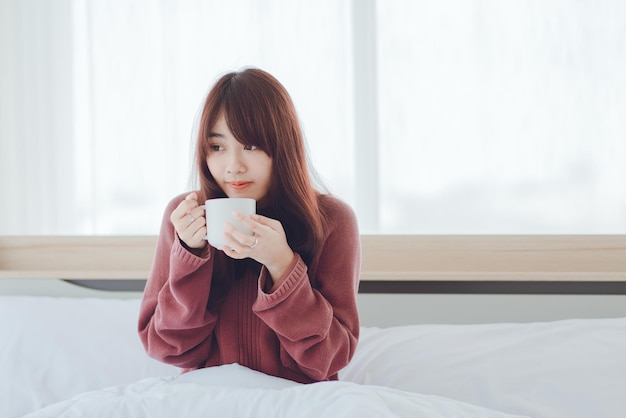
x=282 y=301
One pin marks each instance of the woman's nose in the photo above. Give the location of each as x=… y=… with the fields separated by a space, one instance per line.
x=235 y=163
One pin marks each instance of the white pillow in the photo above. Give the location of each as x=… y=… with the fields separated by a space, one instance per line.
x=55 y=348
x=570 y=368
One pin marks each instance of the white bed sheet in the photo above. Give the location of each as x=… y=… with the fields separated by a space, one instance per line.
x=60 y=350
x=234 y=391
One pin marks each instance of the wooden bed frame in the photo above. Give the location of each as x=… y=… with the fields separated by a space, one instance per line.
x=522 y=264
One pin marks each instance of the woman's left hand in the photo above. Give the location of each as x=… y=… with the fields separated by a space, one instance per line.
x=268 y=244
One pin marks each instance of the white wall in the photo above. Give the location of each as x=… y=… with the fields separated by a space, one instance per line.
x=388 y=310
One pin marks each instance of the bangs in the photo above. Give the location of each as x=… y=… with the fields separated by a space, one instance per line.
x=250 y=116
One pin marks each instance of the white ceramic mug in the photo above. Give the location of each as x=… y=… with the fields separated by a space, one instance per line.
x=220 y=210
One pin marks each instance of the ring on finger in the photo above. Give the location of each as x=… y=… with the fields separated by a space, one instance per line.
x=191 y=217
x=256 y=241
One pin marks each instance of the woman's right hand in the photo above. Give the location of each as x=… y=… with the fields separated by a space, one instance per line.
x=189 y=222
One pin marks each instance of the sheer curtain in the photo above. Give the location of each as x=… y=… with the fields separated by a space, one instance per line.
x=134 y=76
x=36 y=116
x=427 y=117
x=504 y=117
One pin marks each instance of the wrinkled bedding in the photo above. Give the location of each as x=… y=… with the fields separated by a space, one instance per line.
x=234 y=391
x=71 y=357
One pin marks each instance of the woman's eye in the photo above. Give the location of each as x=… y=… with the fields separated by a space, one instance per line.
x=214 y=147
x=249 y=147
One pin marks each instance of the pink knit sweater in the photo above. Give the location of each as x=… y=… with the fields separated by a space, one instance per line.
x=302 y=331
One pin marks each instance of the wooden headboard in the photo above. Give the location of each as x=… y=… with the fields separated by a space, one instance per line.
x=589 y=264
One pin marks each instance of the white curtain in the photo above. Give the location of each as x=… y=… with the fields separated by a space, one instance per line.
x=427 y=117
x=131 y=78
x=36 y=111
x=503 y=116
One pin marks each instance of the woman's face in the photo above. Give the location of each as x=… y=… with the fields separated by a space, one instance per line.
x=240 y=170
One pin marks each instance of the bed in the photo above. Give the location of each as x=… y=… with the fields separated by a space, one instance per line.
x=69 y=356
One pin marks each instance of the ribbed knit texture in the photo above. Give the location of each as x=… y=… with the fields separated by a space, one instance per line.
x=297 y=331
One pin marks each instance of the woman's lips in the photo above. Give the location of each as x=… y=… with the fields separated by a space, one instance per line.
x=239 y=185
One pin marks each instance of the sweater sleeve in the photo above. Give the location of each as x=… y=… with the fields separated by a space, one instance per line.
x=318 y=325
x=175 y=325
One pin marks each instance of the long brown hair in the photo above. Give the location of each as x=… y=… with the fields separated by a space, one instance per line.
x=259 y=111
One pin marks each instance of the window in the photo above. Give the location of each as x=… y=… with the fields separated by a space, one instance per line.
x=502 y=117
x=427 y=117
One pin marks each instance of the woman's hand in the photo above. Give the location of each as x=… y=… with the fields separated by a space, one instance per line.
x=189 y=222
x=268 y=244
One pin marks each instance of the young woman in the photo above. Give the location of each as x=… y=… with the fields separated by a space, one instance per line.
x=282 y=301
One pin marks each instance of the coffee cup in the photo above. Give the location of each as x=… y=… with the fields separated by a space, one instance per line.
x=221 y=210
